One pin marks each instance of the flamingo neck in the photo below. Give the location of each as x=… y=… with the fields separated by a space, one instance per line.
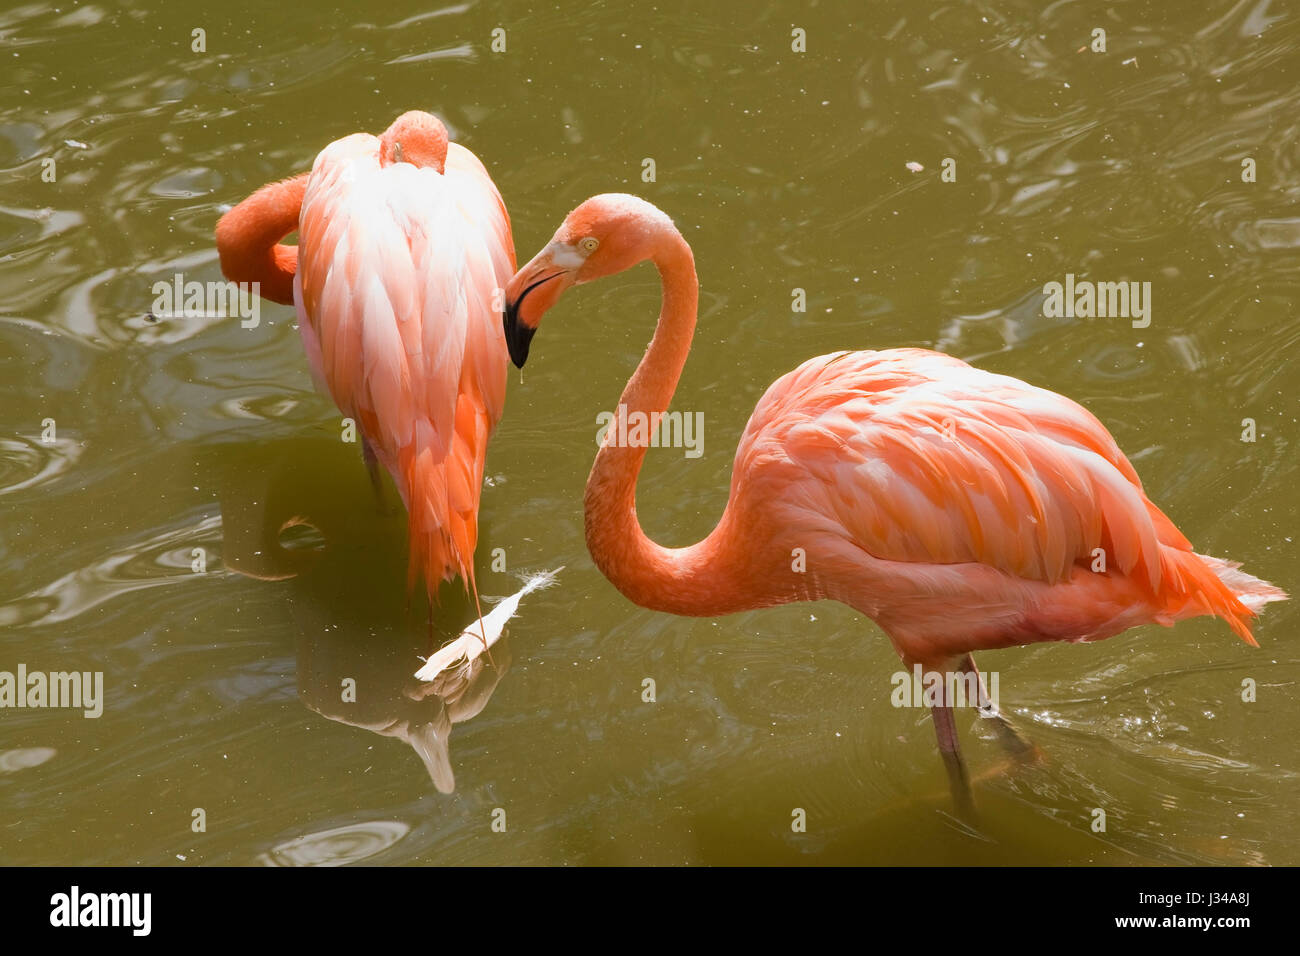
x=695 y=580
x=248 y=239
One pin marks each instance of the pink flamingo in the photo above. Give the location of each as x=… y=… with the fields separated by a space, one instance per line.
x=959 y=509
x=404 y=244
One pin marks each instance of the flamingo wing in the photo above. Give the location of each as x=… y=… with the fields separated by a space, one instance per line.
x=918 y=457
x=399 y=267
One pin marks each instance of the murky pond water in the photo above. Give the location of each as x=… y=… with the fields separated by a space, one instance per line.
x=785 y=170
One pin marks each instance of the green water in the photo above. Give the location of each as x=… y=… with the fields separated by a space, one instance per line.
x=784 y=170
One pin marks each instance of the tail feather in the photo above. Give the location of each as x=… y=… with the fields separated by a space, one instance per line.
x=1197 y=584
x=442 y=493
x=442 y=542
x=442 y=537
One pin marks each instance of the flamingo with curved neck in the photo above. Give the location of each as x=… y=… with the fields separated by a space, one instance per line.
x=403 y=244
x=959 y=509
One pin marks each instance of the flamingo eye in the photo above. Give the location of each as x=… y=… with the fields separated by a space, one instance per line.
x=588 y=245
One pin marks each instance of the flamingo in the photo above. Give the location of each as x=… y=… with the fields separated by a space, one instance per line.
x=404 y=246
x=959 y=509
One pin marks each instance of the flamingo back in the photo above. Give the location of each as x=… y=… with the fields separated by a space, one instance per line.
x=398 y=273
x=918 y=457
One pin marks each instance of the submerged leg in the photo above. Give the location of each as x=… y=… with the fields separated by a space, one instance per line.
x=945 y=729
x=372 y=466
x=1012 y=740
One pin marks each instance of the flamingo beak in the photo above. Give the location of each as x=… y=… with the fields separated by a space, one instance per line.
x=534 y=289
x=518 y=337
x=518 y=334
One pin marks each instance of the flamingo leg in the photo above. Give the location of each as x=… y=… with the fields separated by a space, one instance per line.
x=945 y=728
x=1013 y=741
x=372 y=466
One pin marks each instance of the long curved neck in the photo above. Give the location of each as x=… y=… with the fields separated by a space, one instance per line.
x=695 y=580
x=248 y=239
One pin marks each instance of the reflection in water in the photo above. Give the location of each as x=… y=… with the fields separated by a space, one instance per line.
x=11 y=760
x=329 y=538
x=368 y=683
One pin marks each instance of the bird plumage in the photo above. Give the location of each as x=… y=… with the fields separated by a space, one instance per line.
x=404 y=242
x=960 y=509
x=938 y=471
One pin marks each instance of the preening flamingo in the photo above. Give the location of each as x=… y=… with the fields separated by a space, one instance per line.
x=403 y=246
x=959 y=509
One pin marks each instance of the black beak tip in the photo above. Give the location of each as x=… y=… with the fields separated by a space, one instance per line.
x=518 y=335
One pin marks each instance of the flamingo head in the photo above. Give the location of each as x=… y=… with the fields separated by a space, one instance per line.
x=417 y=138
x=606 y=234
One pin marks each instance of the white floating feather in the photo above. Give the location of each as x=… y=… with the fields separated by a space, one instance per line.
x=470 y=644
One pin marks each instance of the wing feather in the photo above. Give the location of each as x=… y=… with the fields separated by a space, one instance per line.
x=919 y=457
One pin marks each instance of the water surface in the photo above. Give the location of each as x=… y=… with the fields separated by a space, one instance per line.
x=785 y=170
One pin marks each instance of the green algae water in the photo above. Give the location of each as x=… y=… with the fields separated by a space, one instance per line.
x=180 y=516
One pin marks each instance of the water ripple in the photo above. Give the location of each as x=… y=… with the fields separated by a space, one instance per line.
x=29 y=462
x=338 y=846
x=159 y=561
